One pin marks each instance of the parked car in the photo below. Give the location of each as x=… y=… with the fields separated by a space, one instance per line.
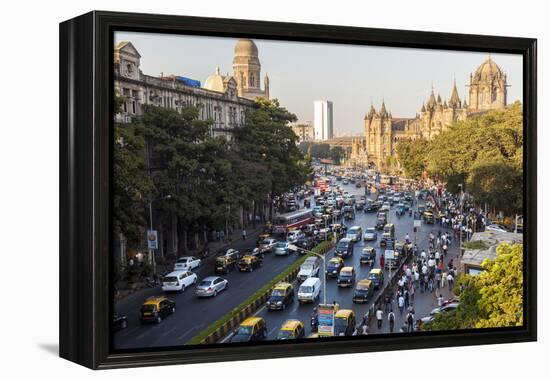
x=497 y=228
x=187 y=263
x=156 y=308
x=211 y=286
x=178 y=281
x=281 y=296
x=438 y=310
x=250 y=330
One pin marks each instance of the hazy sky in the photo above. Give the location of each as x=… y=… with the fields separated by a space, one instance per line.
x=350 y=76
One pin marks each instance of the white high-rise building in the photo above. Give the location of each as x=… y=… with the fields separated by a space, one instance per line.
x=322 y=119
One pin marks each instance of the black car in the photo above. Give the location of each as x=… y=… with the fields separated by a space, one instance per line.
x=371 y=207
x=281 y=296
x=380 y=223
x=156 y=308
x=344 y=248
x=306 y=242
x=120 y=322
x=334 y=266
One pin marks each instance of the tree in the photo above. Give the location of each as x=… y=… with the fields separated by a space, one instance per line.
x=320 y=150
x=337 y=153
x=494 y=298
x=413 y=156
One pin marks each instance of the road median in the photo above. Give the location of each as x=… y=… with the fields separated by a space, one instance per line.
x=233 y=318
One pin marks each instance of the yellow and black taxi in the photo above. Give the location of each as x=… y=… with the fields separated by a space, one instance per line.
x=281 y=296
x=248 y=263
x=155 y=309
x=428 y=217
x=368 y=256
x=363 y=291
x=334 y=266
x=376 y=275
x=291 y=329
x=250 y=330
x=225 y=264
x=344 y=322
x=346 y=277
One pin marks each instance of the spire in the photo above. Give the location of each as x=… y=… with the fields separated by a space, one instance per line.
x=383 y=111
x=423 y=109
x=454 y=101
x=438 y=99
x=431 y=100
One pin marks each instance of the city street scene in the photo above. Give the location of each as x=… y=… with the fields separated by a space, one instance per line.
x=295 y=206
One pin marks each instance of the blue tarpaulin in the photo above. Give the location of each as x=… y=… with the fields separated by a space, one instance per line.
x=189 y=81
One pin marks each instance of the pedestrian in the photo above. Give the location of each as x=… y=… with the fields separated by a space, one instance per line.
x=440 y=300
x=416 y=279
x=222 y=235
x=406 y=296
x=382 y=261
x=443 y=279
x=450 y=280
x=401 y=304
x=410 y=322
x=391 y=320
x=244 y=234
x=379 y=317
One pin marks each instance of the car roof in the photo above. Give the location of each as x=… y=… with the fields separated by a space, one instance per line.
x=251 y=321
x=282 y=285
x=364 y=281
x=310 y=281
x=291 y=324
x=376 y=270
x=210 y=278
x=354 y=228
x=336 y=260
x=343 y=313
x=347 y=269
x=154 y=300
x=176 y=273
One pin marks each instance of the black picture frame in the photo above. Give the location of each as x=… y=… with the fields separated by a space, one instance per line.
x=86 y=105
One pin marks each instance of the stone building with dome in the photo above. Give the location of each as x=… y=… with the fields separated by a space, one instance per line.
x=223 y=99
x=383 y=132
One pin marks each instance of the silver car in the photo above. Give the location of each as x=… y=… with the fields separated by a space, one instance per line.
x=370 y=234
x=211 y=286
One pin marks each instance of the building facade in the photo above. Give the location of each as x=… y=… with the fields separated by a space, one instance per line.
x=323 y=120
x=383 y=132
x=304 y=131
x=223 y=99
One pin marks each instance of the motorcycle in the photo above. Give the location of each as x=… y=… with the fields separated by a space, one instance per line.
x=314 y=322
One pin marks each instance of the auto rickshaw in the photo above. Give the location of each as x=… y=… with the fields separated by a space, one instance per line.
x=428 y=217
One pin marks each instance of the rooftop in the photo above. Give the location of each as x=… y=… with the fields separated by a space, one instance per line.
x=492 y=239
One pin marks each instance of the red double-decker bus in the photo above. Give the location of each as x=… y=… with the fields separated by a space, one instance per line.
x=292 y=220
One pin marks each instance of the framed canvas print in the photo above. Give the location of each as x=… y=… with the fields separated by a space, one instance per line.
x=235 y=190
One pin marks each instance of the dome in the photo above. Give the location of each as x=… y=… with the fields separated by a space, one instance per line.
x=246 y=47
x=214 y=82
x=488 y=69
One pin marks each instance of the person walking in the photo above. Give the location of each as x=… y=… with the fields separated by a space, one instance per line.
x=410 y=322
x=243 y=233
x=382 y=262
x=401 y=304
x=391 y=320
x=379 y=317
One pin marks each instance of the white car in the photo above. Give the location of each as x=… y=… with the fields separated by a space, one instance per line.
x=187 y=263
x=178 y=281
x=370 y=234
x=294 y=236
x=496 y=227
x=437 y=310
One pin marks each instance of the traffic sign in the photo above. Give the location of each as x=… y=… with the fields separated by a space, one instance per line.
x=152 y=239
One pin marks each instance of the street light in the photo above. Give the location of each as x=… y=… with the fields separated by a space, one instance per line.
x=295 y=248
x=151 y=254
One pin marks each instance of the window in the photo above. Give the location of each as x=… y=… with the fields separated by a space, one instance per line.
x=134 y=107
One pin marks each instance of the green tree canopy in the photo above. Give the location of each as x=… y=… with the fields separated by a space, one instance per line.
x=494 y=298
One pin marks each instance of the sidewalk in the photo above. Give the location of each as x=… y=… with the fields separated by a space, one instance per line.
x=208 y=261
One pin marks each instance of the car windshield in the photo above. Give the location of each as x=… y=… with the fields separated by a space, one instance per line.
x=340 y=322
x=266 y=242
x=182 y=261
x=373 y=277
x=281 y=245
x=332 y=265
x=362 y=287
x=307 y=266
x=148 y=308
x=278 y=293
x=285 y=334
x=244 y=330
x=370 y=230
x=170 y=279
x=345 y=274
x=205 y=283
x=306 y=289
x=342 y=245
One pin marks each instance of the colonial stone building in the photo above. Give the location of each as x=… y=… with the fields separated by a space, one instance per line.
x=223 y=98
x=487 y=91
x=304 y=131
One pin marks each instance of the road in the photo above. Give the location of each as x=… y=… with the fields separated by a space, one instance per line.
x=343 y=296
x=194 y=314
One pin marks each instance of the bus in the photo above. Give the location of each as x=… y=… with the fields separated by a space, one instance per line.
x=322 y=185
x=292 y=220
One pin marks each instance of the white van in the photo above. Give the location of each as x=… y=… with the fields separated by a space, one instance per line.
x=309 y=268
x=310 y=290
